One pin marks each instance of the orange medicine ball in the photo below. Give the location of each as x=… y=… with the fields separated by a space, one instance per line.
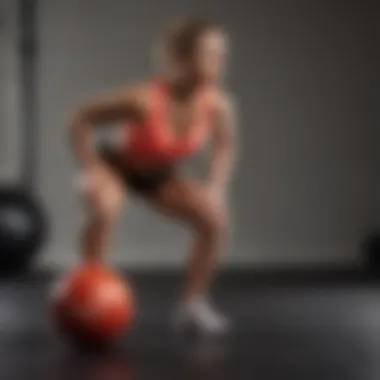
x=92 y=304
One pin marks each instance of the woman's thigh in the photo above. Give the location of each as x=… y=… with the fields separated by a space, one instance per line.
x=188 y=200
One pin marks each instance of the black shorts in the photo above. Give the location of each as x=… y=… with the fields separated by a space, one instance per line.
x=146 y=182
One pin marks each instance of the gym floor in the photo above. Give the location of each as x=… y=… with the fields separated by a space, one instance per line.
x=306 y=326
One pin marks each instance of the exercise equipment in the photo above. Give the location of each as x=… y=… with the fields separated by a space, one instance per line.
x=22 y=230
x=371 y=249
x=92 y=305
x=23 y=225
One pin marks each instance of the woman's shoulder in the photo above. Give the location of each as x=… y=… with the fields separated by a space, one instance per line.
x=141 y=91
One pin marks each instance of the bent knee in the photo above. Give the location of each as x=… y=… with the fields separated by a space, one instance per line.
x=213 y=222
x=106 y=209
x=105 y=215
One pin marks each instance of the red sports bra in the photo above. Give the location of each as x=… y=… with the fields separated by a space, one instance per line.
x=152 y=141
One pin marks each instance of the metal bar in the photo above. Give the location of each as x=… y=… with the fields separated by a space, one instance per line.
x=28 y=35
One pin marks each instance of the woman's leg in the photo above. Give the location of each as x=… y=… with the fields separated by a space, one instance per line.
x=187 y=201
x=104 y=196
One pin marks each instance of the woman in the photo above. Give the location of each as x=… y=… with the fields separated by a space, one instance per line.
x=167 y=120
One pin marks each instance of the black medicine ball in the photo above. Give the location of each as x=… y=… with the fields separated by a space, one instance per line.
x=372 y=253
x=22 y=229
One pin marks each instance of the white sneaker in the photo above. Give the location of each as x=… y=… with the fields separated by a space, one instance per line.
x=199 y=314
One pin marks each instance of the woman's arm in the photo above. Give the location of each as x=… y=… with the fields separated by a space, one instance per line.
x=224 y=145
x=122 y=105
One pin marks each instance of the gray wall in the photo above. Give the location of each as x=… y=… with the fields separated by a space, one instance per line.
x=9 y=94
x=304 y=73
